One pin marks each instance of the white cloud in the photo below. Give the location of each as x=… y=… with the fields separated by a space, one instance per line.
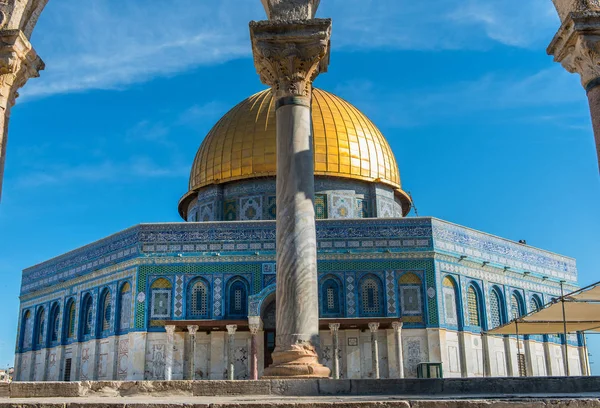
x=110 y=44
x=103 y=171
x=547 y=89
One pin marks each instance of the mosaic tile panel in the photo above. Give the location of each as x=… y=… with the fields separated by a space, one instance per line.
x=320 y=206
x=351 y=309
x=230 y=210
x=341 y=206
x=390 y=287
x=251 y=208
x=179 y=296
x=271 y=208
x=217 y=301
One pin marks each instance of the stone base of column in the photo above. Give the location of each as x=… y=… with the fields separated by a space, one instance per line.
x=299 y=362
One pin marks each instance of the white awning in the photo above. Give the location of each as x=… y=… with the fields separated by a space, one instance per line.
x=581 y=313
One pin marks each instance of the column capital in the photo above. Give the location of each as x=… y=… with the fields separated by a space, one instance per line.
x=290 y=10
x=231 y=328
x=170 y=330
x=334 y=327
x=193 y=329
x=288 y=56
x=18 y=62
x=576 y=46
x=254 y=328
x=397 y=325
x=373 y=327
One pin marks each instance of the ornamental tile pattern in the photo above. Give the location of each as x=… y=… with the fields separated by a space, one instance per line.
x=178 y=296
x=390 y=287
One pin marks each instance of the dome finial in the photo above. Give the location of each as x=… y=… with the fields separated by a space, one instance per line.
x=288 y=10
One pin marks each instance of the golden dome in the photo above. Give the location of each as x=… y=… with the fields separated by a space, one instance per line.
x=242 y=145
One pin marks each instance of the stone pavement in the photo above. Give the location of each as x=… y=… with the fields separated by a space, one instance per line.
x=302 y=402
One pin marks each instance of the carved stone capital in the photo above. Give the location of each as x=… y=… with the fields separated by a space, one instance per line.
x=576 y=45
x=290 y=10
x=288 y=56
x=397 y=325
x=231 y=329
x=373 y=327
x=334 y=327
x=193 y=330
x=18 y=63
x=170 y=333
x=254 y=328
x=565 y=7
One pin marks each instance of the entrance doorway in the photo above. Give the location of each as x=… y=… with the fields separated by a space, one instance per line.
x=269 y=330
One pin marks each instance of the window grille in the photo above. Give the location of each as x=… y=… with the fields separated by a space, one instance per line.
x=411 y=300
x=515 y=306
x=330 y=299
x=88 y=317
x=125 y=305
x=199 y=301
x=495 y=314
x=161 y=299
x=106 y=311
x=534 y=304
x=55 y=324
x=371 y=299
x=238 y=298
x=40 y=328
x=449 y=295
x=473 y=306
x=27 y=329
x=71 y=321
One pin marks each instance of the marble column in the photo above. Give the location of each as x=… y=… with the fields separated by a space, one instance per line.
x=397 y=326
x=576 y=46
x=254 y=328
x=374 y=328
x=192 y=330
x=231 y=329
x=288 y=54
x=335 y=328
x=169 y=352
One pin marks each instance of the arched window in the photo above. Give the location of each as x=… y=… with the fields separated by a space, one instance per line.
x=198 y=296
x=86 y=320
x=496 y=310
x=331 y=304
x=535 y=304
x=106 y=310
x=124 y=312
x=371 y=298
x=237 y=298
x=54 y=323
x=27 y=330
x=409 y=286
x=161 y=299
x=40 y=325
x=516 y=305
x=473 y=307
x=69 y=322
x=450 y=301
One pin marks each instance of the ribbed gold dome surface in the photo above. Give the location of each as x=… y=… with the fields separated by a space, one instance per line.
x=243 y=145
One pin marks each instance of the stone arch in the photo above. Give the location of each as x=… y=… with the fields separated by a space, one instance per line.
x=257 y=302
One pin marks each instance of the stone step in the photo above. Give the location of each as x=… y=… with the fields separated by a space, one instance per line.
x=413 y=388
x=314 y=402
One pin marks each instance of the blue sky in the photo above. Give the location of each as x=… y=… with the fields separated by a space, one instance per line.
x=488 y=131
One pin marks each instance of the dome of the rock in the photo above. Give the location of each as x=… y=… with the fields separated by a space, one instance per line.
x=242 y=145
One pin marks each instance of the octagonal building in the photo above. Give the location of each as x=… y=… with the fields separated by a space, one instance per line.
x=160 y=301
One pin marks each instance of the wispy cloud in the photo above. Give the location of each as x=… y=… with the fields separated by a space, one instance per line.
x=517 y=93
x=111 y=44
x=103 y=171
